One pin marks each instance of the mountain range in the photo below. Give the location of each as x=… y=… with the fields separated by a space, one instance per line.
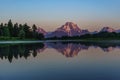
x=72 y=29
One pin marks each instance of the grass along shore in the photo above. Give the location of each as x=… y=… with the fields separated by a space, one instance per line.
x=18 y=40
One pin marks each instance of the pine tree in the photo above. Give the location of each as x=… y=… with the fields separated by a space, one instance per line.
x=15 y=30
x=10 y=26
x=6 y=31
x=26 y=29
x=21 y=34
x=34 y=28
x=1 y=29
x=40 y=36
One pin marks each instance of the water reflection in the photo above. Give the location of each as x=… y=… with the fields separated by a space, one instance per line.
x=68 y=49
x=71 y=49
x=10 y=51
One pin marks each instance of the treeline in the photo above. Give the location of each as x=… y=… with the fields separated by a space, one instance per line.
x=97 y=36
x=10 y=30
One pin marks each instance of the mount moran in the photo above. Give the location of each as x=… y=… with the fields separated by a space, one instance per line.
x=71 y=29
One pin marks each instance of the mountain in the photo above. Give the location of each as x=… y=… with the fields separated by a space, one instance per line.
x=117 y=31
x=107 y=29
x=95 y=32
x=71 y=29
x=83 y=32
x=40 y=30
x=68 y=29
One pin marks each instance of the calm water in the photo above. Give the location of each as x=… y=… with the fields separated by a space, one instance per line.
x=60 y=61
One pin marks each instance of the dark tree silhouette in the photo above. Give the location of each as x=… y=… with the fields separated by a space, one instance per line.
x=34 y=28
x=6 y=31
x=10 y=30
x=21 y=34
x=1 y=29
x=10 y=27
x=15 y=30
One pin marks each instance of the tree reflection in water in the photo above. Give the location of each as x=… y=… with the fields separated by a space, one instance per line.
x=8 y=51
x=68 y=49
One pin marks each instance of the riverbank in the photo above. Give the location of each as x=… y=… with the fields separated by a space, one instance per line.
x=18 y=42
x=43 y=41
x=97 y=41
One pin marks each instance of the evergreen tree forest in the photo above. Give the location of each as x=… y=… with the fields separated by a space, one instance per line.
x=97 y=36
x=19 y=31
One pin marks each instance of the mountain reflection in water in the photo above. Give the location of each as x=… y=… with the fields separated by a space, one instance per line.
x=68 y=49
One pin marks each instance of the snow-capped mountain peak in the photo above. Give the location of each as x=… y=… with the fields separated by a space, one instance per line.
x=107 y=29
x=68 y=27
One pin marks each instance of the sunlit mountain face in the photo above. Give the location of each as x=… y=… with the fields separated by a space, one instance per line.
x=68 y=49
x=68 y=29
x=40 y=30
x=108 y=29
x=71 y=29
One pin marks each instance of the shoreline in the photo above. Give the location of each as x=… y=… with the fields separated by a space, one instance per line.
x=20 y=41
x=87 y=41
x=47 y=41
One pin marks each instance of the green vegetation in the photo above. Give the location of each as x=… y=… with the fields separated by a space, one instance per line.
x=16 y=39
x=91 y=37
x=10 y=31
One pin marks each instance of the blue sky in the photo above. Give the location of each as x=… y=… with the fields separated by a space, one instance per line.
x=51 y=14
